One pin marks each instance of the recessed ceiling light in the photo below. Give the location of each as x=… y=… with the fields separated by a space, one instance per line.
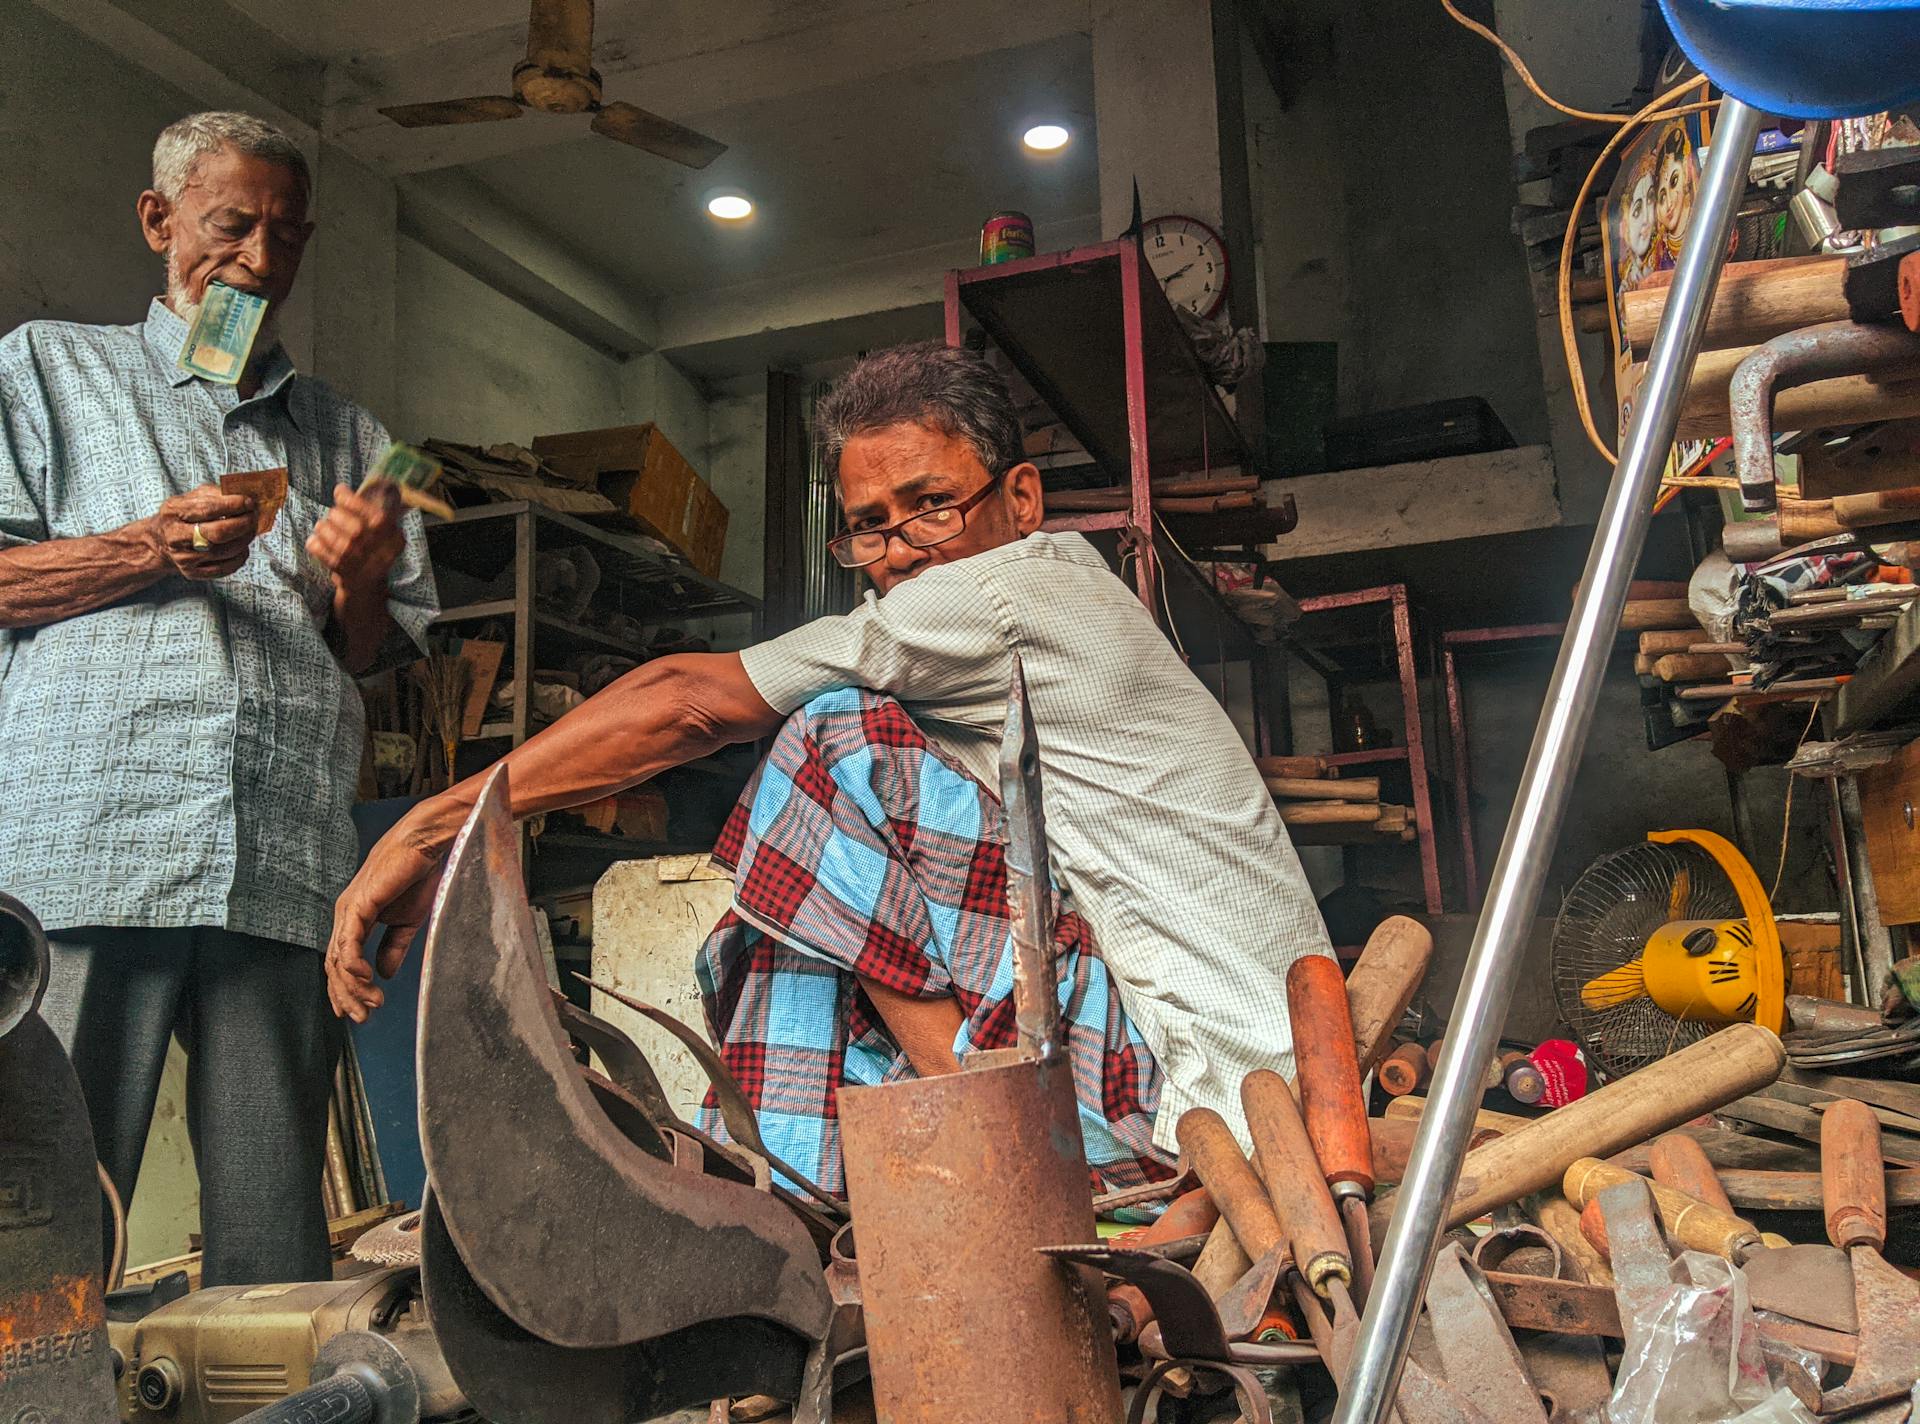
x=1046 y=138
x=730 y=207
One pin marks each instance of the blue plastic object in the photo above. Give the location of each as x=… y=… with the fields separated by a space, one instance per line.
x=1806 y=59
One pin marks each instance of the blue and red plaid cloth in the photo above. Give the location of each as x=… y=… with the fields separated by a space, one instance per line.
x=858 y=850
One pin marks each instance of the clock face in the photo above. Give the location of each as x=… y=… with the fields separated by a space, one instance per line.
x=1189 y=259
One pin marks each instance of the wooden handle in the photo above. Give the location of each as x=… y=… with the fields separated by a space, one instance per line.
x=1863 y=511
x=1853 y=1178
x=1687 y=1220
x=1295 y=1185
x=1593 y=1230
x=1781 y=294
x=1327 y=1071
x=1305 y=788
x=1691 y=667
x=1641 y=614
x=1222 y=1168
x=1291 y=765
x=1560 y=1219
x=1403 y=1070
x=1383 y=982
x=1678 y=1161
x=1702 y=1076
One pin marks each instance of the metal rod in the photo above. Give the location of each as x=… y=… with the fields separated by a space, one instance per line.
x=1513 y=893
x=1876 y=944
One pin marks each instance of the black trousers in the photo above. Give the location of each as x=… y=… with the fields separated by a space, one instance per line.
x=261 y=1044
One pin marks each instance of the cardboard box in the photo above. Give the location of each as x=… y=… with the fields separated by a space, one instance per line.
x=638 y=469
x=706 y=529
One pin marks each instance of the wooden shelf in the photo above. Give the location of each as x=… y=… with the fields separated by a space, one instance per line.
x=474 y=612
x=1367 y=757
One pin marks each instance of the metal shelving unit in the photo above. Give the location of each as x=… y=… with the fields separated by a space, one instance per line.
x=482 y=542
x=1092 y=332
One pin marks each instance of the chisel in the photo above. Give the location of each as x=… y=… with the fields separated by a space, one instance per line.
x=1331 y=1100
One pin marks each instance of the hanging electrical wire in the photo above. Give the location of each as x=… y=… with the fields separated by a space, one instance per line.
x=1658 y=111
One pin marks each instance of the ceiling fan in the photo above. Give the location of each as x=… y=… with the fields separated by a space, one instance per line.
x=558 y=77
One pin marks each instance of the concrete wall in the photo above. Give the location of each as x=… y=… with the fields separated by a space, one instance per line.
x=76 y=131
x=1381 y=198
x=478 y=367
x=737 y=469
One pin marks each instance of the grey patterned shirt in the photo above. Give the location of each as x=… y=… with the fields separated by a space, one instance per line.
x=1159 y=824
x=187 y=755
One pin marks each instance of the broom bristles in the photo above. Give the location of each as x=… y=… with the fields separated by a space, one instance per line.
x=444 y=677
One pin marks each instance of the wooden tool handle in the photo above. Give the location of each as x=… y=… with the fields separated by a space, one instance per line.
x=1853 y=1178
x=1383 y=982
x=1403 y=1070
x=1295 y=1184
x=1678 y=1161
x=1702 y=1076
x=1222 y=1168
x=1593 y=1229
x=1560 y=1219
x=1327 y=1071
x=1863 y=511
x=1687 y=1220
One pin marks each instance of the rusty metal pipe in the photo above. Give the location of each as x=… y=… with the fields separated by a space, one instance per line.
x=1813 y=353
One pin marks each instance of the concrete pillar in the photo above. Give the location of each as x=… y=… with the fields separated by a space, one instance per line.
x=349 y=281
x=1167 y=110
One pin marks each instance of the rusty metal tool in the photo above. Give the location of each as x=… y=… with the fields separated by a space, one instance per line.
x=512 y=1376
x=1129 y=1307
x=735 y=1111
x=621 y=1056
x=510 y=1132
x=1328 y=1073
x=1477 y=1351
x=1886 y=1303
x=922 y=1154
x=1186 y=1331
x=1314 y=1241
x=1834 y=348
x=54 y=1354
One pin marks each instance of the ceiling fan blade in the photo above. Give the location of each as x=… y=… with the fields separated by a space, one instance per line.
x=633 y=125
x=480 y=109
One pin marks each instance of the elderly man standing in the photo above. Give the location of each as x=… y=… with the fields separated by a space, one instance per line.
x=868 y=937
x=179 y=730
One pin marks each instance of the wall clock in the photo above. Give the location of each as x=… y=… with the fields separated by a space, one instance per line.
x=1189 y=259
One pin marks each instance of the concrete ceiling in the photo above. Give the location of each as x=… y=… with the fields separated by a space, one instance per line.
x=873 y=136
x=838 y=176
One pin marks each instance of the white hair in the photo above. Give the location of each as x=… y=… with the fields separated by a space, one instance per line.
x=183 y=143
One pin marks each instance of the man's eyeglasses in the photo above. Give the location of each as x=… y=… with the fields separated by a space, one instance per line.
x=857 y=549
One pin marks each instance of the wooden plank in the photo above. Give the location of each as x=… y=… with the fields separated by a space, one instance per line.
x=1651 y=613
x=1429 y=502
x=1302 y=788
x=1888 y=676
x=1331 y=813
x=1294 y=766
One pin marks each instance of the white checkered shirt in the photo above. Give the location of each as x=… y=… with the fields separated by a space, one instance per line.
x=1160 y=826
x=185 y=756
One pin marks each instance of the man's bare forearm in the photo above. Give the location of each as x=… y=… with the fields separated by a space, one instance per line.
x=661 y=715
x=358 y=626
x=63 y=578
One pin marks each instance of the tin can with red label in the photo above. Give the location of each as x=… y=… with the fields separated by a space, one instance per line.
x=1005 y=237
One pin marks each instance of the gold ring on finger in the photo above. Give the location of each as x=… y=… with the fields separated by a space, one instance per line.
x=200 y=538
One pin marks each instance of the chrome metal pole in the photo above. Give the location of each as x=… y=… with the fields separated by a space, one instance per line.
x=1513 y=894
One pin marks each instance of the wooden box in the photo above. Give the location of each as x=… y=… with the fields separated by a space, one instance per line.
x=1889 y=796
x=649 y=481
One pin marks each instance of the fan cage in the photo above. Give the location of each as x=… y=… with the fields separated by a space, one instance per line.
x=1605 y=922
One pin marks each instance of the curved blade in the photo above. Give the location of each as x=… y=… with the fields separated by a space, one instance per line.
x=512 y=1377
x=1036 y=1006
x=578 y=1235
x=480 y=109
x=735 y=1111
x=630 y=124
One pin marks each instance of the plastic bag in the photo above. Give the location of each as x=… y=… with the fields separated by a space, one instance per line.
x=1780 y=1407
x=1692 y=1349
